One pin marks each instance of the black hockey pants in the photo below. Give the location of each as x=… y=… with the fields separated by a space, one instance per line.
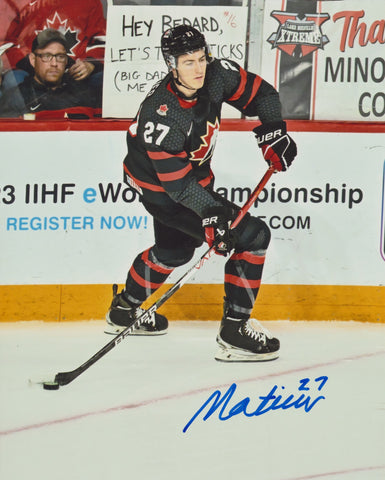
x=178 y=232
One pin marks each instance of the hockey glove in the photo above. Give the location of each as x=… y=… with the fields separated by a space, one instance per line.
x=216 y=222
x=278 y=148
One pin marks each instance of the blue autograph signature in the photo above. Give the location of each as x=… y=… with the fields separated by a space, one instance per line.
x=268 y=402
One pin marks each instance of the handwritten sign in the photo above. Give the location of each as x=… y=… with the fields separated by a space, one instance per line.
x=133 y=58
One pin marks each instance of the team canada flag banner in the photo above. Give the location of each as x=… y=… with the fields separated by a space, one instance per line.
x=326 y=58
x=133 y=58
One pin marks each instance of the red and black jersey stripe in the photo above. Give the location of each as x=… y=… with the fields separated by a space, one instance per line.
x=173 y=140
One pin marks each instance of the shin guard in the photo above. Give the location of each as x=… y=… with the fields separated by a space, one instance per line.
x=243 y=272
x=146 y=275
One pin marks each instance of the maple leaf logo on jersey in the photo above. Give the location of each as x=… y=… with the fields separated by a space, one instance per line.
x=206 y=148
x=58 y=24
x=162 y=110
x=297 y=36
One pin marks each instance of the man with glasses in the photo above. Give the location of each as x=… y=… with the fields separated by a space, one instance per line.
x=51 y=88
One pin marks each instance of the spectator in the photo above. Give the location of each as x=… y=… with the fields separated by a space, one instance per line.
x=82 y=23
x=50 y=88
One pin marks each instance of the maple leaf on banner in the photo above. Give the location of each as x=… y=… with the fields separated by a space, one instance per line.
x=62 y=26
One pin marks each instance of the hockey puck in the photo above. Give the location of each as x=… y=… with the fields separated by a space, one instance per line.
x=51 y=386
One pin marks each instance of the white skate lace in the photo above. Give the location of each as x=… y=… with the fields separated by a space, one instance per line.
x=256 y=331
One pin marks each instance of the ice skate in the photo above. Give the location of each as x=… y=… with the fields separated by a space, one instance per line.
x=245 y=340
x=121 y=314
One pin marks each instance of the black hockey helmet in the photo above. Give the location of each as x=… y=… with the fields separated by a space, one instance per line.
x=180 y=40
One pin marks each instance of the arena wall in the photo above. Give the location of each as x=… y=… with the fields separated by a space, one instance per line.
x=70 y=227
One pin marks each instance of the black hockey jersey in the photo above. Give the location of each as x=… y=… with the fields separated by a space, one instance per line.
x=171 y=142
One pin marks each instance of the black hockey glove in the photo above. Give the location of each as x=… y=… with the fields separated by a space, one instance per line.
x=278 y=148
x=216 y=222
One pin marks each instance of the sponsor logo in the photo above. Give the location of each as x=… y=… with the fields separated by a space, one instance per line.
x=35 y=107
x=268 y=137
x=298 y=37
x=133 y=184
x=209 y=221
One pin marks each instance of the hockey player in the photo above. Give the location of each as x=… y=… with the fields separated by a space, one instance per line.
x=170 y=146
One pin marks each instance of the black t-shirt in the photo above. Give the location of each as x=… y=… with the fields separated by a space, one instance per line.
x=33 y=97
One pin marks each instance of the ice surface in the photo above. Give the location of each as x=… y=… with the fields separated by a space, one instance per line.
x=124 y=417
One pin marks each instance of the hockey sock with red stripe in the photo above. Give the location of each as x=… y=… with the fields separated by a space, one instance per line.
x=145 y=276
x=243 y=273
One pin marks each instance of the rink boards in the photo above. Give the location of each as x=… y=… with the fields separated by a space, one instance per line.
x=70 y=227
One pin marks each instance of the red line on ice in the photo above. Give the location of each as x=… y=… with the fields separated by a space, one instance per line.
x=174 y=396
x=339 y=472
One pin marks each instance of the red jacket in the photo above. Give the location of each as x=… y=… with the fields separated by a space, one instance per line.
x=81 y=21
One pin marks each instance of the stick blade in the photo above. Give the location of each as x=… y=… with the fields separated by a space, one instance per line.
x=64 y=378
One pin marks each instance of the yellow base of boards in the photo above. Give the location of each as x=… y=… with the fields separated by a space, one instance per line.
x=196 y=302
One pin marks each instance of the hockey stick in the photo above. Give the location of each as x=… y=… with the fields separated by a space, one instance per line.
x=64 y=378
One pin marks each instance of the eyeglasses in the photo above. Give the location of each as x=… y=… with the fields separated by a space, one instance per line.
x=47 y=57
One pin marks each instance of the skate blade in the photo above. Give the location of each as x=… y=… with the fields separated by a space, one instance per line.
x=146 y=333
x=116 y=329
x=238 y=355
x=113 y=329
